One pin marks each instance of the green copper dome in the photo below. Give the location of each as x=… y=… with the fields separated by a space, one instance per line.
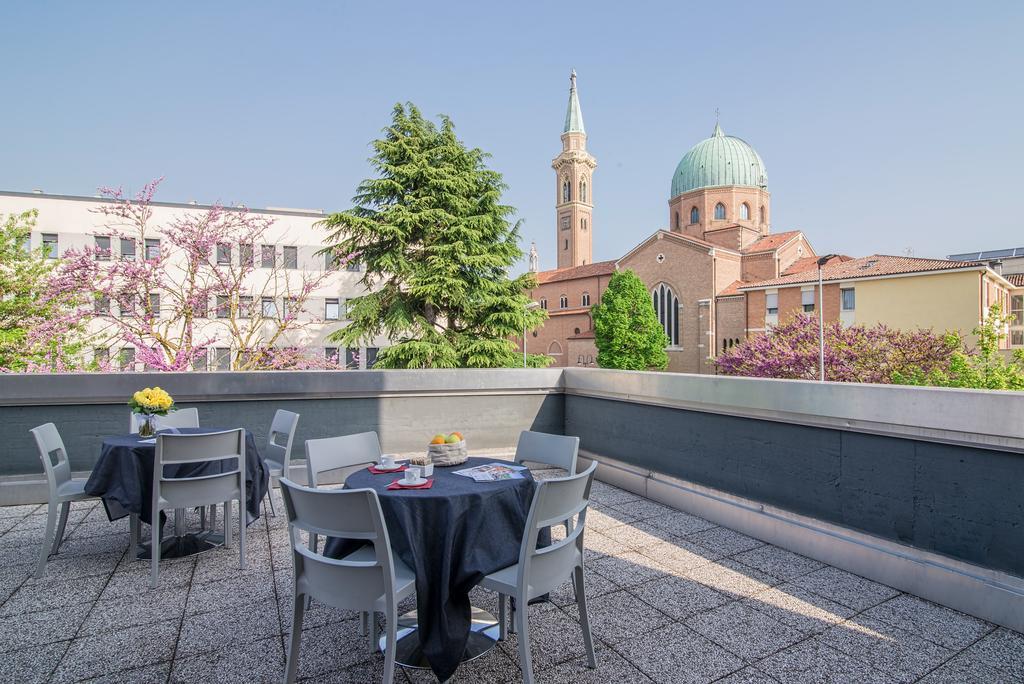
x=719 y=160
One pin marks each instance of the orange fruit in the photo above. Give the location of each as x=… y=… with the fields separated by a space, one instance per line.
x=458 y=435
x=439 y=439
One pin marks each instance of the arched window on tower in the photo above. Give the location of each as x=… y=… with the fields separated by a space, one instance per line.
x=719 y=211
x=583 y=223
x=585 y=300
x=583 y=190
x=544 y=303
x=694 y=215
x=676 y=221
x=666 y=306
x=563 y=302
x=566 y=191
x=762 y=215
x=745 y=211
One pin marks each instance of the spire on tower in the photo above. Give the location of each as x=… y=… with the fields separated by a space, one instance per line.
x=574 y=115
x=718 y=129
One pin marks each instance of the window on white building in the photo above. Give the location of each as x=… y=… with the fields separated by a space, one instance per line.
x=245 y=306
x=848 y=298
x=223 y=254
x=101 y=356
x=201 y=361
x=154 y=304
x=223 y=307
x=807 y=300
x=331 y=354
x=353 y=265
x=222 y=359
x=152 y=248
x=128 y=249
x=771 y=303
x=268 y=255
x=290 y=257
x=268 y=307
x=102 y=247
x=332 y=309
x=245 y=254
x=50 y=245
x=666 y=306
x=126 y=359
x=101 y=305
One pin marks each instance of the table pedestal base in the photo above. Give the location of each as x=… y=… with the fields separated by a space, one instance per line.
x=183 y=545
x=483 y=636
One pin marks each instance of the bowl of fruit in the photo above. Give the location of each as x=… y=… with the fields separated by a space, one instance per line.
x=447 y=450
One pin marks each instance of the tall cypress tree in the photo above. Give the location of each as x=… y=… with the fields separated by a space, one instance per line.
x=437 y=246
x=626 y=328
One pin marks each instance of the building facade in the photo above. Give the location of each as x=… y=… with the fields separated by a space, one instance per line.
x=287 y=253
x=718 y=274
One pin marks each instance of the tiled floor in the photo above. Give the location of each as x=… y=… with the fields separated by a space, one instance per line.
x=673 y=598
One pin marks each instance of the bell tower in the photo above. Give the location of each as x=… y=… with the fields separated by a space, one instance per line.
x=574 y=202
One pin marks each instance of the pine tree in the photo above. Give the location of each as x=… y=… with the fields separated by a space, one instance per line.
x=626 y=328
x=437 y=246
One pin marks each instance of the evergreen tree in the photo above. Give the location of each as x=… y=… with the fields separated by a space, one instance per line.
x=437 y=245
x=626 y=328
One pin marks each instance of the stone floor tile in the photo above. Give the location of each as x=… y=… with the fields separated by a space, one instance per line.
x=944 y=626
x=23 y=536
x=117 y=651
x=150 y=674
x=11 y=579
x=596 y=544
x=733 y=579
x=963 y=668
x=748 y=675
x=101 y=528
x=1003 y=650
x=779 y=562
x=494 y=667
x=221 y=564
x=899 y=653
x=612 y=496
x=619 y=617
x=226 y=629
x=64 y=566
x=681 y=523
x=133 y=579
x=724 y=541
x=629 y=569
x=554 y=638
x=637 y=535
x=680 y=556
x=595 y=584
x=812 y=662
x=370 y=672
x=750 y=634
x=333 y=647
x=603 y=519
x=256 y=662
x=54 y=594
x=801 y=609
x=135 y=611
x=37 y=629
x=19 y=511
x=642 y=509
x=611 y=667
x=208 y=597
x=846 y=588
x=32 y=665
x=679 y=597
x=678 y=655
x=107 y=543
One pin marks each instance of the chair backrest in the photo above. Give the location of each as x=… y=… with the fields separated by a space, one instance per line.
x=555 y=501
x=340 y=513
x=201 y=448
x=332 y=453
x=279 y=441
x=181 y=418
x=554 y=450
x=51 y=447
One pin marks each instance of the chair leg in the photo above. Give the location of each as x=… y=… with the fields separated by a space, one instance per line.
x=502 y=622
x=213 y=518
x=241 y=535
x=364 y=623
x=133 y=535
x=270 y=497
x=227 y=524
x=581 y=603
x=64 y=510
x=202 y=518
x=523 y=627
x=154 y=550
x=298 y=611
x=391 y=629
x=512 y=615
x=374 y=636
x=44 y=552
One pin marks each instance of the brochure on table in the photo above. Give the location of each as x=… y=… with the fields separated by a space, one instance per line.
x=493 y=472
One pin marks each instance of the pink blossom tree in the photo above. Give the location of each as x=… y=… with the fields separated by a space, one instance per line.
x=159 y=301
x=852 y=353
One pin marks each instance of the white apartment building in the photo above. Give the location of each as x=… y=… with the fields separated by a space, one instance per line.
x=292 y=242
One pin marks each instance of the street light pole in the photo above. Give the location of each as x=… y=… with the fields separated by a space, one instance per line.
x=531 y=305
x=821 y=316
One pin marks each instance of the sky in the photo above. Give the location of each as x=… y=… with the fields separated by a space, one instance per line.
x=885 y=127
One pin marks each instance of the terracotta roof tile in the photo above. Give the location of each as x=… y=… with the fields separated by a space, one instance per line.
x=584 y=271
x=866 y=267
x=1016 y=279
x=732 y=289
x=809 y=263
x=770 y=242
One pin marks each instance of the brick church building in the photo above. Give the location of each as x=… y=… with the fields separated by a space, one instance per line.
x=718 y=273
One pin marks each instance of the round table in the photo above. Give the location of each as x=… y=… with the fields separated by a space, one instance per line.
x=451 y=535
x=123 y=478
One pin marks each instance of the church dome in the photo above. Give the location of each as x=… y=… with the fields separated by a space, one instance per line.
x=719 y=160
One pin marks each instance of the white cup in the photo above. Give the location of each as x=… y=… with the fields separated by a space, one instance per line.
x=412 y=474
x=387 y=461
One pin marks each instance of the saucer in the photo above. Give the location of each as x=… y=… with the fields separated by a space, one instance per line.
x=415 y=483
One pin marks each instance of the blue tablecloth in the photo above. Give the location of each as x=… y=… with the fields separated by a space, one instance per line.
x=451 y=535
x=123 y=475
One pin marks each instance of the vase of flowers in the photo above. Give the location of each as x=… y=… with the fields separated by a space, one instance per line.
x=150 y=402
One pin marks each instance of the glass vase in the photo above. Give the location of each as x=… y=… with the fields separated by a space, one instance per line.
x=147 y=427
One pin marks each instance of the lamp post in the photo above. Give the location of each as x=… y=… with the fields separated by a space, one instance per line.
x=821 y=316
x=531 y=305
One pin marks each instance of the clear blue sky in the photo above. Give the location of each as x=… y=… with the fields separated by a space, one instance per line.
x=884 y=126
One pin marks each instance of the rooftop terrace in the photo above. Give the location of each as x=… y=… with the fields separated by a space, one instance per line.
x=743 y=531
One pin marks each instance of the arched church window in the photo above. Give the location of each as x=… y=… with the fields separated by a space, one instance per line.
x=583 y=190
x=583 y=223
x=676 y=221
x=745 y=211
x=762 y=215
x=566 y=190
x=585 y=299
x=695 y=215
x=666 y=306
x=719 y=211
x=544 y=302
x=555 y=349
x=563 y=302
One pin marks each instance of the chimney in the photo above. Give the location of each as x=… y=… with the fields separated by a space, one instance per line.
x=997 y=266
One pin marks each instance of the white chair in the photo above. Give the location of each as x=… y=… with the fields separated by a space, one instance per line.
x=368 y=580
x=337 y=453
x=541 y=570
x=63 y=489
x=279 y=455
x=198 y=490
x=181 y=418
x=559 y=451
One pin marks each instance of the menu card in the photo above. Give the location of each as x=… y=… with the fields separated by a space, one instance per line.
x=493 y=472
